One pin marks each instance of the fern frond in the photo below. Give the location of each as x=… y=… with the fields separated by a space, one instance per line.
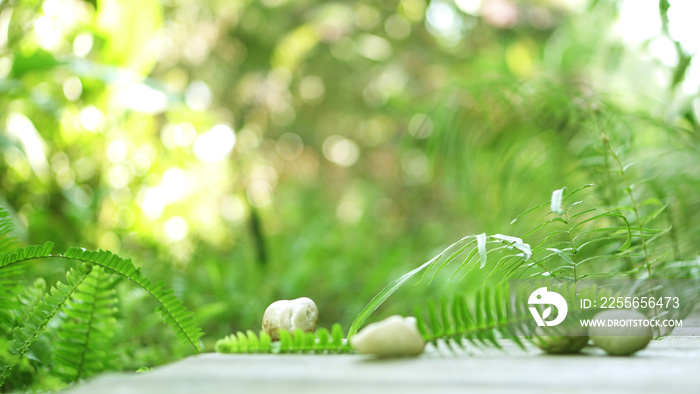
x=497 y=313
x=483 y=324
x=21 y=255
x=29 y=299
x=173 y=311
x=84 y=338
x=320 y=342
x=6 y=226
x=462 y=252
x=9 y=278
x=53 y=301
x=10 y=287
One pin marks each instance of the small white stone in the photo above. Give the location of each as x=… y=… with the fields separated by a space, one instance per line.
x=394 y=336
x=300 y=313
x=621 y=341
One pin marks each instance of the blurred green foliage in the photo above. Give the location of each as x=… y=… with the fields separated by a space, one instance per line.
x=251 y=151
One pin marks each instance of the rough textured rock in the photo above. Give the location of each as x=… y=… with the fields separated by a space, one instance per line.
x=300 y=313
x=394 y=336
x=621 y=341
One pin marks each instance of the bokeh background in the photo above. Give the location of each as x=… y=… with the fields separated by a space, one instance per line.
x=250 y=151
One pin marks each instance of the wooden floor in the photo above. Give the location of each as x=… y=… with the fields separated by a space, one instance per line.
x=671 y=365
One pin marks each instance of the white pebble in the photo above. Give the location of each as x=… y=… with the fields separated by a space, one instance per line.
x=300 y=313
x=621 y=341
x=394 y=336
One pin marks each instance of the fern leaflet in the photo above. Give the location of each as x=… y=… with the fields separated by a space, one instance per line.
x=41 y=315
x=482 y=324
x=87 y=329
x=174 y=313
x=322 y=341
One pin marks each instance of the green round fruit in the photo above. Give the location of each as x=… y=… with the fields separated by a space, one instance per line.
x=624 y=339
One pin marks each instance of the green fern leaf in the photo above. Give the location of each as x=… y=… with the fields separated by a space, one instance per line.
x=483 y=325
x=10 y=287
x=84 y=338
x=174 y=313
x=9 y=278
x=21 y=255
x=322 y=341
x=53 y=301
x=6 y=226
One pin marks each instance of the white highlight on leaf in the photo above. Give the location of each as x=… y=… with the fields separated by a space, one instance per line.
x=515 y=243
x=481 y=245
x=557 y=201
x=22 y=129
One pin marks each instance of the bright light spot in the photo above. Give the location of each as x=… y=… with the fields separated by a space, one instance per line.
x=340 y=150
x=290 y=146
x=22 y=129
x=663 y=49
x=48 y=34
x=72 y=88
x=5 y=66
x=141 y=98
x=153 y=203
x=638 y=20
x=398 y=27
x=373 y=47
x=198 y=96
x=469 y=6
x=119 y=176
x=52 y=7
x=259 y=193
x=444 y=22
x=233 y=209
x=176 y=228
x=311 y=88
x=173 y=184
x=91 y=118
x=683 y=23
x=216 y=144
x=116 y=151
x=349 y=211
x=420 y=126
x=82 y=45
x=692 y=77
x=5 y=18
x=184 y=134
